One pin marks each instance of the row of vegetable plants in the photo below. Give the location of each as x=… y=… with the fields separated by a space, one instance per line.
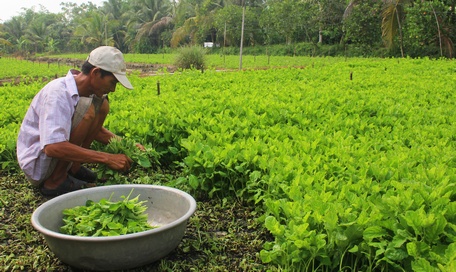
x=349 y=162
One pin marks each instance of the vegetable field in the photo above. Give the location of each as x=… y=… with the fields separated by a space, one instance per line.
x=350 y=163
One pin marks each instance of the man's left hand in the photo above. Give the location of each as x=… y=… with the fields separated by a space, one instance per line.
x=140 y=147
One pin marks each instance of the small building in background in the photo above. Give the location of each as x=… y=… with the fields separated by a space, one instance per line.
x=208 y=44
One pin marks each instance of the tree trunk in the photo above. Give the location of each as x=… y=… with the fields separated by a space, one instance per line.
x=438 y=29
x=399 y=26
x=242 y=35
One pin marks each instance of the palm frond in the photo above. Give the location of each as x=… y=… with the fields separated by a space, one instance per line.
x=160 y=25
x=178 y=36
x=187 y=29
x=5 y=42
x=154 y=27
x=390 y=21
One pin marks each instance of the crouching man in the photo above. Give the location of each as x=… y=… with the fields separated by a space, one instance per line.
x=64 y=118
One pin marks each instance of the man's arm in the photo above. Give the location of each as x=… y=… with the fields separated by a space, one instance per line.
x=104 y=136
x=67 y=151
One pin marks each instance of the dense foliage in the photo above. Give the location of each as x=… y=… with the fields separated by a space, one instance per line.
x=362 y=28
x=350 y=163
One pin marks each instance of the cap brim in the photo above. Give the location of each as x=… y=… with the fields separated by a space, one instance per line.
x=124 y=81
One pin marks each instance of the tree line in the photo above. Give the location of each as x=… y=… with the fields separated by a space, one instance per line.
x=363 y=27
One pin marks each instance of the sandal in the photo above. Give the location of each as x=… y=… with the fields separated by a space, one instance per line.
x=85 y=174
x=70 y=184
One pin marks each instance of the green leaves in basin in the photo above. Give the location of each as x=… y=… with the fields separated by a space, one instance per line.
x=106 y=218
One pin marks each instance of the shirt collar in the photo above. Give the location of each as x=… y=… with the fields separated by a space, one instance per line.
x=71 y=82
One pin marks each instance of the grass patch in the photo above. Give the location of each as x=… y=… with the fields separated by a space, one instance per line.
x=190 y=57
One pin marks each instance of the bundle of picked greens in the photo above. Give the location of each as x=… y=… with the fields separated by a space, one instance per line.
x=106 y=218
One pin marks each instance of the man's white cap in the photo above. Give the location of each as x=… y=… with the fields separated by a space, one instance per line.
x=110 y=59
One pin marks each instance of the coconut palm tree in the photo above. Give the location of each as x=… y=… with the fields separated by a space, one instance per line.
x=153 y=17
x=36 y=34
x=15 y=30
x=198 y=19
x=186 y=20
x=15 y=27
x=3 y=41
x=118 y=16
x=95 y=30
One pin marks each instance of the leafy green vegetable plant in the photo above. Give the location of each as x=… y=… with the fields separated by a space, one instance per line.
x=106 y=218
x=127 y=146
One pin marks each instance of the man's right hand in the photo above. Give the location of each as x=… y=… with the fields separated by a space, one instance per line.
x=67 y=151
x=119 y=162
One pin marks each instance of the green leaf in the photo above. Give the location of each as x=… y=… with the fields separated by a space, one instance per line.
x=354 y=249
x=331 y=218
x=274 y=226
x=417 y=249
x=434 y=231
x=398 y=241
x=373 y=232
x=114 y=226
x=395 y=254
x=422 y=265
x=266 y=256
x=193 y=181
x=144 y=162
x=450 y=252
x=115 y=207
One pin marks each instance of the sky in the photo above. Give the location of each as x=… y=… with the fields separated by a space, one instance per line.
x=10 y=8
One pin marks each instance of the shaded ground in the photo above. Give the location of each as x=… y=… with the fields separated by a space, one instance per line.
x=222 y=235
